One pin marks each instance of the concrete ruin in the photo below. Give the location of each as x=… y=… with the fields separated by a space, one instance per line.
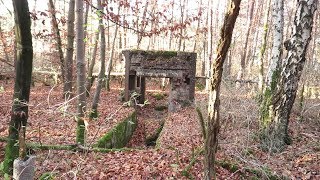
x=180 y=67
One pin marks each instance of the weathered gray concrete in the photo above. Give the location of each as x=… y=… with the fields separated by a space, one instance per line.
x=180 y=67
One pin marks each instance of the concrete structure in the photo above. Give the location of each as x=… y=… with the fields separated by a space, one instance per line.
x=180 y=67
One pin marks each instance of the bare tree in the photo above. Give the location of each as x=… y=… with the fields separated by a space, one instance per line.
x=81 y=74
x=263 y=46
x=109 y=66
x=245 y=47
x=56 y=30
x=67 y=88
x=101 y=77
x=90 y=78
x=211 y=141
x=23 y=69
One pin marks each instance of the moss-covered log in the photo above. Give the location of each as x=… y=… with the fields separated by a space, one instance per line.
x=71 y=147
x=120 y=135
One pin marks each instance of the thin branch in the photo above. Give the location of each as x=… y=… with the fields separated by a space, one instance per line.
x=5 y=61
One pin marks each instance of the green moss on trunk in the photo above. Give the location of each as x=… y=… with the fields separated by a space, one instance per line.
x=80 y=131
x=12 y=150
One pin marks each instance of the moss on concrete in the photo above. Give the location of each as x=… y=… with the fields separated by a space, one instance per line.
x=165 y=54
x=120 y=135
x=151 y=139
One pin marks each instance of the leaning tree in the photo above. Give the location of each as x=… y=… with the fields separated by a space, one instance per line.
x=211 y=141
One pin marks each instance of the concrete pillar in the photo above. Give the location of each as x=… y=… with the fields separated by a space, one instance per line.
x=179 y=96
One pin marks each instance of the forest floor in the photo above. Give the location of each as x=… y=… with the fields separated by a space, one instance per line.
x=179 y=150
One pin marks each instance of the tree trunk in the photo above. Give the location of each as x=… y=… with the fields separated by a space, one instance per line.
x=5 y=46
x=171 y=23
x=244 y=61
x=210 y=45
x=211 y=141
x=198 y=27
x=109 y=67
x=182 y=10
x=67 y=88
x=278 y=23
x=81 y=74
x=263 y=47
x=19 y=115
x=143 y=24
x=282 y=95
x=90 y=78
x=101 y=77
x=56 y=30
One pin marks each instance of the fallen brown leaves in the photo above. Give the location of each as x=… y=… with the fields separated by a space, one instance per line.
x=52 y=122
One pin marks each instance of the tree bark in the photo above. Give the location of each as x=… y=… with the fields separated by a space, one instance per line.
x=278 y=23
x=182 y=12
x=5 y=46
x=67 y=88
x=143 y=24
x=263 y=47
x=81 y=74
x=90 y=78
x=244 y=61
x=198 y=27
x=211 y=141
x=101 y=77
x=56 y=30
x=282 y=95
x=109 y=66
x=19 y=114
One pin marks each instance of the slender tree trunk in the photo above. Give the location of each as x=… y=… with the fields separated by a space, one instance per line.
x=19 y=114
x=263 y=47
x=182 y=10
x=90 y=78
x=85 y=27
x=210 y=46
x=171 y=23
x=81 y=74
x=205 y=49
x=109 y=66
x=143 y=24
x=101 y=77
x=275 y=121
x=198 y=27
x=153 y=24
x=56 y=30
x=184 y=32
x=245 y=47
x=67 y=88
x=5 y=46
x=211 y=142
